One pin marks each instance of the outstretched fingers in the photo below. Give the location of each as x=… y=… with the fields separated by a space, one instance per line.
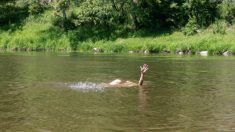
x=144 y=68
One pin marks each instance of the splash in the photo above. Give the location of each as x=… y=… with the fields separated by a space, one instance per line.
x=86 y=86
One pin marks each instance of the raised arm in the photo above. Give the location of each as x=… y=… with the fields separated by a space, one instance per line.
x=143 y=69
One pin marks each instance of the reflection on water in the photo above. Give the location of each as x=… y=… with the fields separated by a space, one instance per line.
x=180 y=93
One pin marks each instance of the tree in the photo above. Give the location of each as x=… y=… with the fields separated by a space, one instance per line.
x=35 y=6
x=62 y=6
x=204 y=11
x=11 y=13
x=227 y=10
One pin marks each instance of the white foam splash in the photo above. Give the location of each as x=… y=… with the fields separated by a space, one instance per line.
x=86 y=86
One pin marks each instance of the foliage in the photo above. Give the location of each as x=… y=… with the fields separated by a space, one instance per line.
x=117 y=25
x=191 y=27
x=204 y=11
x=214 y=43
x=227 y=10
x=94 y=13
x=60 y=15
x=12 y=15
x=36 y=34
x=219 y=27
x=35 y=7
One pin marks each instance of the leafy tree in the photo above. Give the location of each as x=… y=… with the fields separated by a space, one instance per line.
x=35 y=6
x=11 y=13
x=227 y=10
x=204 y=11
x=94 y=12
x=191 y=27
x=2 y=2
x=61 y=6
x=219 y=26
x=109 y=16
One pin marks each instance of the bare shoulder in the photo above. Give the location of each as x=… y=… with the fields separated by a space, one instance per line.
x=125 y=84
x=120 y=84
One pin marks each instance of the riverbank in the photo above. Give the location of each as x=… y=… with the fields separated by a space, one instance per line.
x=39 y=34
x=177 y=42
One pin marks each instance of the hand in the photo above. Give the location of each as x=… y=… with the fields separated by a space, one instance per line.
x=144 y=68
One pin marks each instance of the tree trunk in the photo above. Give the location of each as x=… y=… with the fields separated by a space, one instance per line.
x=64 y=19
x=134 y=21
x=133 y=14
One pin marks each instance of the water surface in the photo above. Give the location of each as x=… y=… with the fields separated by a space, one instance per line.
x=181 y=93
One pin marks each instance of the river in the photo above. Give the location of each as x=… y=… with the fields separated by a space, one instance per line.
x=59 y=92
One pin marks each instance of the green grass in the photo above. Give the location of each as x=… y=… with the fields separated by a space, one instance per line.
x=38 y=33
x=206 y=40
x=35 y=34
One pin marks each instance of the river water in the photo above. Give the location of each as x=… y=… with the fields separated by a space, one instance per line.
x=59 y=92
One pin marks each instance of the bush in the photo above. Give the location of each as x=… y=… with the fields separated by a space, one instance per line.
x=59 y=21
x=232 y=49
x=153 y=48
x=219 y=27
x=191 y=27
x=117 y=48
x=227 y=10
x=35 y=7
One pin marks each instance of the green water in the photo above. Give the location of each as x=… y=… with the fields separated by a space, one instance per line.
x=180 y=93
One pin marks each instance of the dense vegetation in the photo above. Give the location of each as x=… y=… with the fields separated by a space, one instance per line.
x=118 y=25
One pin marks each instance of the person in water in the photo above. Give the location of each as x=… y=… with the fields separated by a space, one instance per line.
x=119 y=83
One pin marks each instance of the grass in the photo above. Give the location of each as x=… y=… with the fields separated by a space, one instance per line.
x=35 y=34
x=204 y=41
x=38 y=33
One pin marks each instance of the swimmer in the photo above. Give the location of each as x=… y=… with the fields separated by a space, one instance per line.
x=119 y=83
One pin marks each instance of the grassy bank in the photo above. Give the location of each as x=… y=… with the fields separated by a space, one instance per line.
x=214 y=43
x=38 y=33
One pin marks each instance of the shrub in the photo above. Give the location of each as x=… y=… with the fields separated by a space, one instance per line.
x=191 y=27
x=35 y=7
x=152 y=48
x=117 y=48
x=232 y=49
x=219 y=27
x=227 y=10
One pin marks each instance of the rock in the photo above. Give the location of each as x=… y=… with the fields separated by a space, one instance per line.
x=146 y=52
x=180 y=53
x=198 y=31
x=189 y=52
x=227 y=53
x=203 y=53
x=131 y=52
x=177 y=51
x=186 y=51
x=165 y=51
x=183 y=52
x=96 y=50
